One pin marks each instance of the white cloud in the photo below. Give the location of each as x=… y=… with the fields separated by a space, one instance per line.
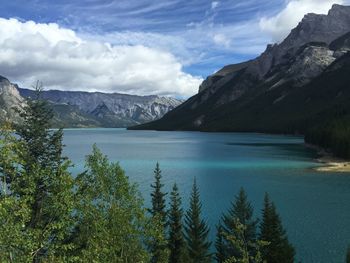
x=61 y=59
x=214 y=4
x=222 y=40
x=279 y=26
x=198 y=43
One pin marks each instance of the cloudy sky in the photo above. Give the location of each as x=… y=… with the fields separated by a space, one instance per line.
x=138 y=47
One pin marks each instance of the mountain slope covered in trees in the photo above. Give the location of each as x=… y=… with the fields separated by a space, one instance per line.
x=296 y=87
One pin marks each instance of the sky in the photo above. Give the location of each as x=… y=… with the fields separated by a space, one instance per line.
x=141 y=47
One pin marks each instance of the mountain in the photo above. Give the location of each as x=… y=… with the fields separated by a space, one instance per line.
x=85 y=109
x=272 y=93
x=10 y=99
x=110 y=109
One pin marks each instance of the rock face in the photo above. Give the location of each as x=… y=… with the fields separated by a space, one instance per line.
x=10 y=100
x=237 y=97
x=224 y=74
x=84 y=109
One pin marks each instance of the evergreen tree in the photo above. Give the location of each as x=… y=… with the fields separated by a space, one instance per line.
x=196 y=230
x=176 y=239
x=271 y=230
x=158 y=246
x=241 y=211
x=40 y=186
x=221 y=255
x=158 y=196
x=348 y=256
x=157 y=241
x=42 y=146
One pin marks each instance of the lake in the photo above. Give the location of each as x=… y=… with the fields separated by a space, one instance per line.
x=314 y=206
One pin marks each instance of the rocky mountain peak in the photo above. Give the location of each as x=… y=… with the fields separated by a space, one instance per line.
x=312 y=28
x=10 y=100
x=339 y=10
x=320 y=28
x=9 y=90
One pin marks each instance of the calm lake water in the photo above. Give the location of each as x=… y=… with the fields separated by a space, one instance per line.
x=314 y=206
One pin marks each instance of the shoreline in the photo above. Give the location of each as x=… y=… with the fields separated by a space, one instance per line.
x=333 y=164
x=328 y=162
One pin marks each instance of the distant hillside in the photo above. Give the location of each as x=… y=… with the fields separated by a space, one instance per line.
x=84 y=109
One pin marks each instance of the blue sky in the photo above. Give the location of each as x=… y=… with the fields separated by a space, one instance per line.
x=166 y=17
x=191 y=38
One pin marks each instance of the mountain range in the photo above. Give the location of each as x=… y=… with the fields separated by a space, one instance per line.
x=87 y=109
x=291 y=87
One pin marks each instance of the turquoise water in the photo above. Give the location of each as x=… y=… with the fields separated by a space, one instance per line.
x=314 y=206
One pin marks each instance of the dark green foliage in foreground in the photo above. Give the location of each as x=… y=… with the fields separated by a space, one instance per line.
x=47 y=216
x=348 y=256
x=37 y=200
x=159 y=246
x=196 y=230
x=220 y=245
x=271 y=230
x=241 y=212
x=177 y=244
x=158 y=196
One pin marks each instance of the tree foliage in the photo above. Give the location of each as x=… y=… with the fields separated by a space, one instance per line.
x=176 y=241
x=333 y=136
x=243 y=246
x=37 y=188
x=196 y=230
x=158 y=245
x=241 y=211
x=158 y=196
x=272 y=231
x=111 y=222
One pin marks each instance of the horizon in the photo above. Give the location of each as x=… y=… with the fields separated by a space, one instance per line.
x=144 y=48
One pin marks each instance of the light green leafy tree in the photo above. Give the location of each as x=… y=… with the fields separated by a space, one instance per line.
x=112 y=223
x=243 y=246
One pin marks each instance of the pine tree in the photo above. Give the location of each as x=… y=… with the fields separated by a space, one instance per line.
x=158 y=246
x=196 y=230
x=348 y=256
x=241 y=211
x=158 y=196
x=221 y=255
x=41 y=185
x=176 y=239
x=42 y=146
x=271 y=230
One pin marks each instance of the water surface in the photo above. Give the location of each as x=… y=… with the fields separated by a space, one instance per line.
x=314 y=206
